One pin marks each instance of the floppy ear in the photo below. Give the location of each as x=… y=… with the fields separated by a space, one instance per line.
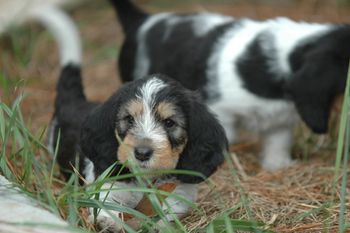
x=313 y=89
x=313 y=105
x=315 y=113
x=98 y=141
x=206 y=143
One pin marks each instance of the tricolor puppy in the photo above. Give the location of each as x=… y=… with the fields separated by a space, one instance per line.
x=158 y=125
x=153 y=122
x=261 y=75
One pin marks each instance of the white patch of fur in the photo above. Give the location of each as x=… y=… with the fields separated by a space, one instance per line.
x=172 y=205
x=287 y=34
x=105 y=222
x=89 y=171
x=51 y=135
x=212 y=71
x=129 y=199
x=204 y=22
x=142 y=62
x=201 y=23
x=119 y=195
x=64 y=31
x=175 y=207
x=276 y=146
x=147 y=124
x=171 y=21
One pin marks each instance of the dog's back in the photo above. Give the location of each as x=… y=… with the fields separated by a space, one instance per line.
x=219 y=55
x=264 y=74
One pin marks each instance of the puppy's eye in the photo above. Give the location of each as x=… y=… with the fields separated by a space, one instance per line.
x=168 y=123
x=129 y=119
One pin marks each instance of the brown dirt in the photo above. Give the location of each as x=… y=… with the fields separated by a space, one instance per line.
x=279 y=198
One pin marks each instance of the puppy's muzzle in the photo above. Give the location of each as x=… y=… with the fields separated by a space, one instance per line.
x=143 y=153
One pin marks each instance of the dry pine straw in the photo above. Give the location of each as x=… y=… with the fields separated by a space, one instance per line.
x=280 y=198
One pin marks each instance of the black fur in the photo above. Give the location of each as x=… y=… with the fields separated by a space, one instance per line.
x=130 y=25
x=71 y=108
x=98 y=140
x=88 y=129
x=175 y=51
x=319 y=74
x=206 y=141
x=318 y=65
x=254 y=69
x=187 y=51
x=126 y=9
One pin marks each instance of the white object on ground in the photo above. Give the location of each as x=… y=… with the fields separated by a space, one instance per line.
x=21 y=214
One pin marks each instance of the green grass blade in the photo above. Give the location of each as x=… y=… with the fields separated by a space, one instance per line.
x=343 y=196
x=2 y=123
x=342 y=127
x=343 y=154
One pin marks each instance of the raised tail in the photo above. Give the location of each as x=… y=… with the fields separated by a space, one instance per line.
x=70 y=103
x=130 y=16
x=69 y=87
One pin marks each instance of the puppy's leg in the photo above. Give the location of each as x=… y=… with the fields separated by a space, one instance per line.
x=51 y=136
x=276 y=148
x=104 y=220
x=227 y=121
x=175 y=207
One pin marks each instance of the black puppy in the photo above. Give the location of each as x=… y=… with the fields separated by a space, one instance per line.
x=261 y=75
x=153 y=122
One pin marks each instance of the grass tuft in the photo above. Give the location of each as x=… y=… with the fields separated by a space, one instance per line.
x=343 y=154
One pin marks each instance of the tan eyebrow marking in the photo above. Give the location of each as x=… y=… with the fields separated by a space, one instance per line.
x=135 y=108
x=165 y=110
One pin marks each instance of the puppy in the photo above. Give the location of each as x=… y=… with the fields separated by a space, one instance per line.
x=259 y=75
x=153 y=122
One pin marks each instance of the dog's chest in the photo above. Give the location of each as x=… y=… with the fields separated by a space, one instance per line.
x=253 y=112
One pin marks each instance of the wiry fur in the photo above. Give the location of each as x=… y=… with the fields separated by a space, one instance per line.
x=71 y=108
x=205 y=138
x=262 y=75
x=99 y=138
x=153 y=121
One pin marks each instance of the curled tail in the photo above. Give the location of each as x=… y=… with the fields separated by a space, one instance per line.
x=69 y=87
x=71 y=105
x=130 y=16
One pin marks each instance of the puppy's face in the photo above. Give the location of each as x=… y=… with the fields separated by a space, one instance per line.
x=151 y=126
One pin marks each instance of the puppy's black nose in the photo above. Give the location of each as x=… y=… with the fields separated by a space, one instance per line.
x=143 y=153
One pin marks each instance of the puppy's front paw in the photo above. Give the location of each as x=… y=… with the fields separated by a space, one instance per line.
x=162 y=227
x=105 y=224
x=276 y=161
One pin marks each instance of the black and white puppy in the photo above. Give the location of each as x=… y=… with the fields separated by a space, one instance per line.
x=152 y=121
x=262 y=75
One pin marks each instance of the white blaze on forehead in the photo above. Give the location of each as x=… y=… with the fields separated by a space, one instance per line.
x=147 y=126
